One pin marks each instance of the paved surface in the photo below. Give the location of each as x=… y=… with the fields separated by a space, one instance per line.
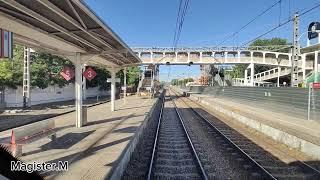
x=39 y=112
x=94 y=149
x=307 y=130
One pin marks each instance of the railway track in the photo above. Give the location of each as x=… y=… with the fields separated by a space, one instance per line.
x=243 y=151
x=173 y=154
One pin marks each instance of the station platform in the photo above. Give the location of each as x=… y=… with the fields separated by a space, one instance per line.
x=15 y=117
x=93 y=150
x=296 y=133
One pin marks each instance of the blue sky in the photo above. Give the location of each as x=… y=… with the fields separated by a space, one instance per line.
x=151 y=23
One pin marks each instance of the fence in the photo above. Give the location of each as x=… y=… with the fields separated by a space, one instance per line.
x=13 y=97
x=2 y=102
x=291 y=101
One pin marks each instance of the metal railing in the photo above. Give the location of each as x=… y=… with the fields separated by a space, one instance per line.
x=221 y=48
x=286 y=100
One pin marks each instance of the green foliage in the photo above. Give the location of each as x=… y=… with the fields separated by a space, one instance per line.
x=11 y=69
x=102 y=75
x=45 y=71
x=132 y=76
x=238 y=70
x=273 y=42
x=101 y=79
x=181 y=81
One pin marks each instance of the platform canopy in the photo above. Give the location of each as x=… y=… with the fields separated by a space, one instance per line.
x=65 y=27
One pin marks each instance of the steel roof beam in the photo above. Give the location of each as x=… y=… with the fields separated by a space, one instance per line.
x=48 y=22
x=76 y=13
x=75 y=23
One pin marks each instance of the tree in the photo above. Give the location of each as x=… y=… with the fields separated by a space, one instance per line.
x=238 y=70
x=174 y=82
x=45 y=71
x=11 y=69
x=132 y=76
x=271 y=44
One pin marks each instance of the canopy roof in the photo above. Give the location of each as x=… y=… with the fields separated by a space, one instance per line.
x=64 y=27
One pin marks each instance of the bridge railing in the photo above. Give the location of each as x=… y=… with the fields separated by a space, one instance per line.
x=220 y=48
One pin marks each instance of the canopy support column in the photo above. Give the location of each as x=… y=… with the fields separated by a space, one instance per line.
x=113 y=89
x=84 y=84
x=78 y=90
x=125 y=84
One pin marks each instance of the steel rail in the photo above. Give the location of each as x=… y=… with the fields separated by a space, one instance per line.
x=203 y=173
x=156 y=138
x=302 y=164
x=267 y=173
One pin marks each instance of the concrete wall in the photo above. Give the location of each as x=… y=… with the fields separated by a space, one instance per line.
x=13 y=97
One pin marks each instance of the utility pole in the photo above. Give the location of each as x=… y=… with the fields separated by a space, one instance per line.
x=26 y=78
x=295 y=51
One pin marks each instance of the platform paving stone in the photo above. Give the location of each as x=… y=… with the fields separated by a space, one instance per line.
x=94 y=149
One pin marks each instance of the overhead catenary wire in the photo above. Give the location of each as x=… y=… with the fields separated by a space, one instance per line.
x=182 y=10
x=181 y=22
x=248 y=23
x=177 y=22
x=282 y=24
x=267 y=32
x=310 y=9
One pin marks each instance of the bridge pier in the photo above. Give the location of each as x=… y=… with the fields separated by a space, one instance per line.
x=278 y=78
x=246 y=77
x=252 y=74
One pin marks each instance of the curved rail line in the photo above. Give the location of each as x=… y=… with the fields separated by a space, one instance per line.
x=267 y=173
x=152 y=166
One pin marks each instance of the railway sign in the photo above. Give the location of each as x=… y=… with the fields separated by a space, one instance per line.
x=67 y=73
x=6 y=44
x=316 y=85
x=313 y=27
x=89 y=74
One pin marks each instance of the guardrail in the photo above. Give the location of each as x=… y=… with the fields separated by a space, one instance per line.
x=287 y=100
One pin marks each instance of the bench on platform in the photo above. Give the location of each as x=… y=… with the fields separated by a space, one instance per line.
x=30 y=133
